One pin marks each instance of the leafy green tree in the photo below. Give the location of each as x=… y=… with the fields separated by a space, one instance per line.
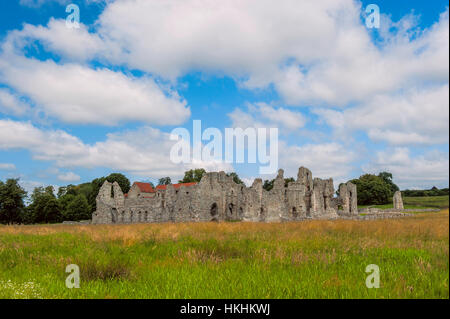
x=372 y=190
x=77 y=209
x=387 y=178
x=193 y=175
x=52 y=210
x=44 y=208
x=11 y=201
x=64 y=202
x=61 y=191
x=268 y=184
x=236 y=178
x=164 y=181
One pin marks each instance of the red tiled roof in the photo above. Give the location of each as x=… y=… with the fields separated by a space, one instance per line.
x=164 y=187
x=145 y=187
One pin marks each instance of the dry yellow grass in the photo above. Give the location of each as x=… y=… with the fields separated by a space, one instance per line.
x=370 y=234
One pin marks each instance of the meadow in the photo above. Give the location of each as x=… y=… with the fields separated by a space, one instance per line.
x=311 y=259
x=417 y=203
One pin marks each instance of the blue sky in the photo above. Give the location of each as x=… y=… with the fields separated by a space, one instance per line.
x=76 y=104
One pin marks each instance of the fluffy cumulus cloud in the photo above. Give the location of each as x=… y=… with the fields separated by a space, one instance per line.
x=11 y=103
x=324 y=160
x=413 y=117
x=416 y=172
x=264 y=115
x=143 y=152
x=313 y=52
x=76 y=93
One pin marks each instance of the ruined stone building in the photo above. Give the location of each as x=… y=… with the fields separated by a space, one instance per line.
x=218 y=198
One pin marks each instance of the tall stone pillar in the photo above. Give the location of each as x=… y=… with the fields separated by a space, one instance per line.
x=349 y=199
x=398 y=201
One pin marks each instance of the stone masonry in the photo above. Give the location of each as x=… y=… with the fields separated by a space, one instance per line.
x=397 y=200
x=218 y=198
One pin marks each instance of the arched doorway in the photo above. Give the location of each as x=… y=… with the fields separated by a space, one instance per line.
x=214 y=212
x=294 y=212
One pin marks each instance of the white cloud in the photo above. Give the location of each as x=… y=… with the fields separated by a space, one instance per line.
x=313 y=52
x=69 y=177
x=11 y=103
x=324 y=160
x=237 y=37
x=266 y=116
x=7 y=166
x=143 y=152
x=77 y=94
x=413 y=117
x=70 y=43
x=415 y=172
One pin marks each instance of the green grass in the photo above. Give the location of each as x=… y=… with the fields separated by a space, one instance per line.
x=317 y=259
x=428 y=201
x=425 y=202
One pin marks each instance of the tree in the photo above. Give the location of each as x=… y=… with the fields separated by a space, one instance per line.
x=52 y=210
x=44 y=208
x=77 y=209
x=64 y=201
x=372 y=190
x=387 y=178
x=121 y=179
x=11 y=201
x=236 y=178
x=268 y=184
x=164 y=181
x=193 y=175
x=61 y=191
x=288 y=180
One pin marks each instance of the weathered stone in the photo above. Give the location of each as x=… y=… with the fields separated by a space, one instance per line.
x=348 y=199
x=398 y=201
x=218 y=198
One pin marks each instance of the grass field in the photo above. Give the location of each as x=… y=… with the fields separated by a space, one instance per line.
x=313 y=259
x=417 y=203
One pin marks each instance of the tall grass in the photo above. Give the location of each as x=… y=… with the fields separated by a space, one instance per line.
x=314 y=259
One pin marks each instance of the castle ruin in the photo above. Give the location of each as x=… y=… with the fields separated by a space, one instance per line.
x=218 y=198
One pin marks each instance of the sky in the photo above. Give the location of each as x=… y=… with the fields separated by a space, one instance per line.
x=347 y=99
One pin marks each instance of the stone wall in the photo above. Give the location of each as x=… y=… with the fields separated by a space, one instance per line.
x=218 y=198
